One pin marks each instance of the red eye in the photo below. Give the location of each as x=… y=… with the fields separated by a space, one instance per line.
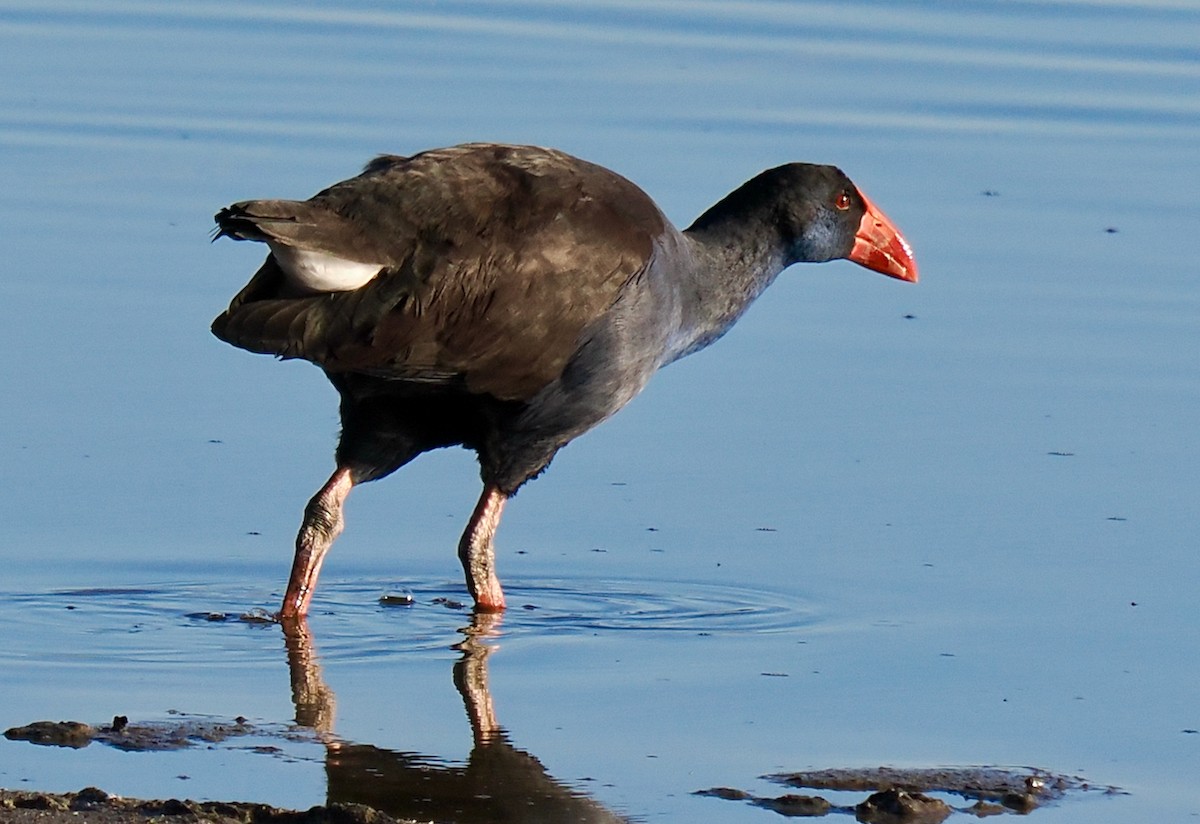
x=842 y=201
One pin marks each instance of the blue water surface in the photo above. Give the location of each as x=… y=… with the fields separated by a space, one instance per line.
x=877 y=524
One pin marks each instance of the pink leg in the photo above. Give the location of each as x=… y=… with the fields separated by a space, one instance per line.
x=322 y=524
x=477 y=554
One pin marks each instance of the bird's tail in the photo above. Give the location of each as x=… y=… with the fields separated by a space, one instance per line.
x=264 y=220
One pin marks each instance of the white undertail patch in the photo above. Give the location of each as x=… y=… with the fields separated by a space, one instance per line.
x=314 y=271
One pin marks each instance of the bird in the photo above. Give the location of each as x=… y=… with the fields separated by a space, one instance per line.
x=507 y=299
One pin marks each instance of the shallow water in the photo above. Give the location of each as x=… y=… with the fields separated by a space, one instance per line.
x=877 y=524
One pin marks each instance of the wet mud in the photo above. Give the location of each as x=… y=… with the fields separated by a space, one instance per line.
x=900 y=796
x=95 y=806
x=186 y=731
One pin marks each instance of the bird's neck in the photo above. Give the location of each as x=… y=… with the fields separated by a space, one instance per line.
x=734 y=260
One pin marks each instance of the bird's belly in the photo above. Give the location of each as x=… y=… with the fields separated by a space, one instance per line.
x=313 y=271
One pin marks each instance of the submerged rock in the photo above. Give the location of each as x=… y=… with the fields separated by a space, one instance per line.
x=140 y=737
x=74 y=734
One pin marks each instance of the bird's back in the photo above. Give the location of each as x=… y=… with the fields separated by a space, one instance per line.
x=493 y=262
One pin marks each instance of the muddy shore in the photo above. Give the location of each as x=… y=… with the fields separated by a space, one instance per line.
x=94 y=806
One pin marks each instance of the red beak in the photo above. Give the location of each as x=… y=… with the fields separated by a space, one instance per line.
x=879 y=245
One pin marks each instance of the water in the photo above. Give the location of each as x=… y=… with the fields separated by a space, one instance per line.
x=841 y=537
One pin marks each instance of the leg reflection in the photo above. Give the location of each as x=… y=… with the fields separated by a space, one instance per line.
x=312 y=697
x=498 y=782
x=471 y=676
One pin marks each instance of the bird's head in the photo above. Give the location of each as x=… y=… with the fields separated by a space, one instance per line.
x=822 y=216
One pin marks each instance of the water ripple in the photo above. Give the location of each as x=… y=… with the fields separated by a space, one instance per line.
x=181 y=623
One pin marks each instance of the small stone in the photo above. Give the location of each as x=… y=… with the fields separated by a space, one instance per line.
x=88 y=798
x=982 y=809
x=173 y=806
x=796 y=805
x=727 y=793
x=1021 y=802
x=900 y=806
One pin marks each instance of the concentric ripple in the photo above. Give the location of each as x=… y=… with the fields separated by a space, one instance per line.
x=187 y=622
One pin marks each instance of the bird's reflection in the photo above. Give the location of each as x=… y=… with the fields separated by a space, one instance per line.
x=497 y=783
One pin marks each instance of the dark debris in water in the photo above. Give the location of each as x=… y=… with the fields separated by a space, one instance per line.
x=144 y=737
x=396 y=600
x=258 y=615
x=899 y=796
x=150 y=736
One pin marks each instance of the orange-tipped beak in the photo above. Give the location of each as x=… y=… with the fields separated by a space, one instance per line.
x=879 y=245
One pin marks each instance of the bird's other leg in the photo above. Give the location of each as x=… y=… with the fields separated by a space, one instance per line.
x=322 y=524
x=477 y=553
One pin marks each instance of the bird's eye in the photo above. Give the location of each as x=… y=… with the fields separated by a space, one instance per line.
x=842 y=201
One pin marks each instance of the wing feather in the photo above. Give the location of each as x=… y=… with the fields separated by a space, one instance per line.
x=498 y=258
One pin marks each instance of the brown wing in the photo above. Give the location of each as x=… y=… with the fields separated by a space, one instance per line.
x=499 y=258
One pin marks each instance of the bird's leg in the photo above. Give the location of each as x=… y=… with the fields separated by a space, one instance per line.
x=477 y=554
x=322 y=524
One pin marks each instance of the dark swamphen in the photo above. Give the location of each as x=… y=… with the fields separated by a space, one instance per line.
x=508 y=299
